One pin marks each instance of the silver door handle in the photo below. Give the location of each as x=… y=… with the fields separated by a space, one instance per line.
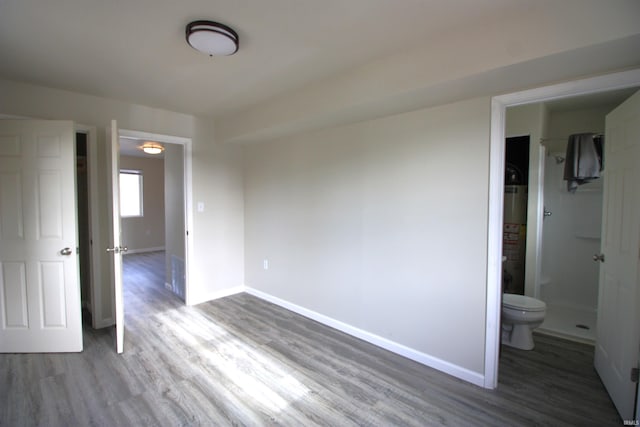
x=598 y=257
x=66 y=251
x=546 y=212
x=118 y=249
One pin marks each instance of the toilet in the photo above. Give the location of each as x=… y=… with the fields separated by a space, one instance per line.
x=520 y=316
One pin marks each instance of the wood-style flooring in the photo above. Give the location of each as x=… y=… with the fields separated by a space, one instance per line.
x=241 y=361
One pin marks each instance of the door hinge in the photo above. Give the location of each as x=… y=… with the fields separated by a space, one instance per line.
x=635 y=374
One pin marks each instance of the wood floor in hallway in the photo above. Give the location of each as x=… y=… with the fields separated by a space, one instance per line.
x=243 y=361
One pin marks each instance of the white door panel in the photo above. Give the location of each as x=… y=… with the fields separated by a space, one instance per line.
x=39 y=286
x=116 y=248
x=618 y=339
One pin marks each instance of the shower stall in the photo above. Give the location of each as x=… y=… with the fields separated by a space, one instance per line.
x=570 y=238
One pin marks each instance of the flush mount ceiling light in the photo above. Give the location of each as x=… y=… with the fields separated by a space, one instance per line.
x=212 y=38
x=152 y=148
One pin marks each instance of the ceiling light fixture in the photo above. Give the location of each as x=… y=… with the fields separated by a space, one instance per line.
x=152 y=148
x=212 y=38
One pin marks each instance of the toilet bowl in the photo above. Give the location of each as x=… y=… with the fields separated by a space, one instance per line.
x=520 y=316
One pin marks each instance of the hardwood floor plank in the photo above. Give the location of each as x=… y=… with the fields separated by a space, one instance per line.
x=242 y=361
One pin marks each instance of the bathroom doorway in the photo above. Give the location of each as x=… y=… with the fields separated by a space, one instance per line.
x=567 y=278
x=501 y=105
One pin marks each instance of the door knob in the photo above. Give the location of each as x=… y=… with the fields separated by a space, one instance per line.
x=66 y=251
x=118 y=249
x=546 y=213
x=598 y=257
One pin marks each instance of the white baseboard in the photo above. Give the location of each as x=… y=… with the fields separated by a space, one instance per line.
x=394 y=347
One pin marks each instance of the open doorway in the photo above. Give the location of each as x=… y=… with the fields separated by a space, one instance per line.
x=153 y=202
x=494 y=280
x=577 y=291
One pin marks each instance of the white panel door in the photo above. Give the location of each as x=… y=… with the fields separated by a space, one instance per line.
x=618 y=335
x=39 y=279
x=116 y=248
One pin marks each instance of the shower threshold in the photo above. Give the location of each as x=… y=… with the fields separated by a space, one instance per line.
x=570 y=323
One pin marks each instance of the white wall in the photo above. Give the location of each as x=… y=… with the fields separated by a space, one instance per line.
x=217 y=258
x=572 y=233
x=146 y=232
x=381 y=225
x=218 y=235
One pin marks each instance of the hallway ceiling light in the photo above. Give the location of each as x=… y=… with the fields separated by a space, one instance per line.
x=152 y=148
x=212 y=38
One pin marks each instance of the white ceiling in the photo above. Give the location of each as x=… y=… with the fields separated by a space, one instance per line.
x=135 y=50
x=133 y=147
x=610 y=98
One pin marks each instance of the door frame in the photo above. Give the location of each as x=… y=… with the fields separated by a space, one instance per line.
x=499 y=104
x=188 y=186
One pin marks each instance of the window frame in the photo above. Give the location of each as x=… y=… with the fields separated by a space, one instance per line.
x=134 y=172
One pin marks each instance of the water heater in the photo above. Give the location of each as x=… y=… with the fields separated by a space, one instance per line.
x=514 y=237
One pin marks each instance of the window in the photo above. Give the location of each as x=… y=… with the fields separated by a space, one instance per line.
x=130 y=193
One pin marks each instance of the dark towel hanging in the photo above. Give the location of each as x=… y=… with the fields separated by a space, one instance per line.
x=584 y=159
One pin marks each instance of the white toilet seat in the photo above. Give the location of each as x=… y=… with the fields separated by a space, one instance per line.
x=522 y=303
